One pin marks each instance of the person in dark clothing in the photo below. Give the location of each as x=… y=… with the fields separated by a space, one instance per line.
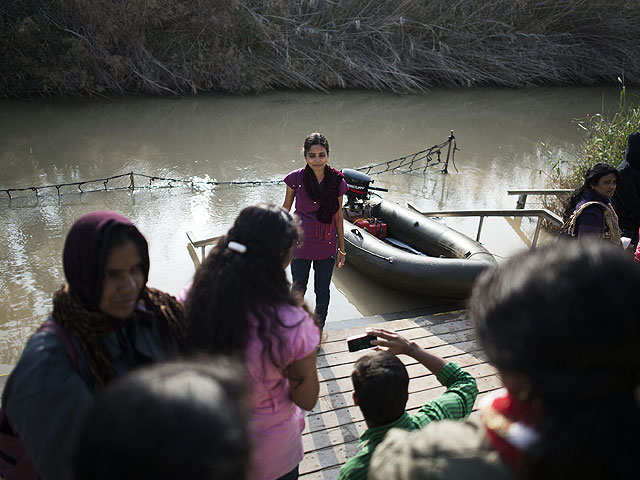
x=185 y=419
x=113 y=322
x=571 y=403
x=588 y=212
x=626 y=199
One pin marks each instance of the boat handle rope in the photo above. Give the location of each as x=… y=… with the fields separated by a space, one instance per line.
x=359 y=234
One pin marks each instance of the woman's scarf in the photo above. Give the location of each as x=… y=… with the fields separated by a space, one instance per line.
x=610 y=229
x=90 y=327
x=510 y=424
x=327 y=197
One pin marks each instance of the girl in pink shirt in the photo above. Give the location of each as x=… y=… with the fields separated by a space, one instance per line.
x=240 y=303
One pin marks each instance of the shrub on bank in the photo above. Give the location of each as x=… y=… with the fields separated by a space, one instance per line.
x=101 y=47
x=606 y=142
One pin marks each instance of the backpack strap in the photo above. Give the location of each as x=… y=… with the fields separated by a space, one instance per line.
x=52 y=327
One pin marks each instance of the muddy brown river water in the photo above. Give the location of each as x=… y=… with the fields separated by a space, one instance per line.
x=506 y=139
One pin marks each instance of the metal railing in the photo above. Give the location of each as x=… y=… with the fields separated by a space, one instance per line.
x=522 y=194
x=201 y=244
x=539 y=213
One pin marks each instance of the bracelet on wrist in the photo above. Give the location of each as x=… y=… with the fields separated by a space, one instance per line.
x=342 y=252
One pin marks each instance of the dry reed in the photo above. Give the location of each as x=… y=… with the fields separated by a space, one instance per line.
x=101 y=47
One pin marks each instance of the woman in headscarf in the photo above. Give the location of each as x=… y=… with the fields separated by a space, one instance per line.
x=317 y=189
x=106 y=321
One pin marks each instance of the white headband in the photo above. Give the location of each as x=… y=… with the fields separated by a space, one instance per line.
x=236 y=247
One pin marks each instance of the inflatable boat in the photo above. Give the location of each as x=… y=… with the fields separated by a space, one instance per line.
x=405 y=250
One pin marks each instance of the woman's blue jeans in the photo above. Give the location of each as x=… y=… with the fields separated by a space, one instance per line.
x=322 y=272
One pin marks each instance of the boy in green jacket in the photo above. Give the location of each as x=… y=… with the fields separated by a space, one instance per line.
x=381 y=390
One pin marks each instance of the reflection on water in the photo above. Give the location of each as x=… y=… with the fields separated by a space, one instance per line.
x=502 y=136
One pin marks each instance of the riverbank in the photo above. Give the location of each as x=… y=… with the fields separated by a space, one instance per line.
x=107 y=49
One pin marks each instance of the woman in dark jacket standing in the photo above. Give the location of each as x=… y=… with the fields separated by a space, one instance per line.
x=626 y=200
x=114 y=323
x=588 y=212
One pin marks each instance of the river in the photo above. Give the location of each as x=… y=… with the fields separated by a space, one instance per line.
x=505 y=139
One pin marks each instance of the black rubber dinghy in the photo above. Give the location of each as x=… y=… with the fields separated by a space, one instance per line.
x=447 y=266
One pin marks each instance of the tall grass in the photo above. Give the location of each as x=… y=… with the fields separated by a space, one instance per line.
x=606 y=142
x=181 y=47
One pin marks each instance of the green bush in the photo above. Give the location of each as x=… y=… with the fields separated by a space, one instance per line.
x=606 y=142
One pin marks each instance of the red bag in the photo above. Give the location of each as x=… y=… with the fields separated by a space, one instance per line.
x=14 y=462
x=373 y=226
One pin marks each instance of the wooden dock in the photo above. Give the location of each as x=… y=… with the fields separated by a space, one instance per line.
x=334 y=425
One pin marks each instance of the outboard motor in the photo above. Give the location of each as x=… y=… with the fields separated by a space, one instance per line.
x=358 y=184
x=358 y=193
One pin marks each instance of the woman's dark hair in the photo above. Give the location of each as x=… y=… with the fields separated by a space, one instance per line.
x=566 y=317
x=187 y=419
x=315 y=139
x=591 y=178
x=230 y=285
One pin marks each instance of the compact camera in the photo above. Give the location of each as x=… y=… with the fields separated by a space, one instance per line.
x=360 y=342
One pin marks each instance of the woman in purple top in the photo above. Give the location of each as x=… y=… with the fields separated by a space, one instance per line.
x=588 y=212
x=318 y=190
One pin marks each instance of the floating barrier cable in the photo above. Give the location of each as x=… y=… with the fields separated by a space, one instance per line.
x=168 y=183
x=424 y=158
x=408 y=162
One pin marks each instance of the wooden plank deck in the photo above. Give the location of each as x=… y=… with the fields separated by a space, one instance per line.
x=334 y=425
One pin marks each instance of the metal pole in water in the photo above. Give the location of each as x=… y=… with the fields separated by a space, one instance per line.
x=446 y=163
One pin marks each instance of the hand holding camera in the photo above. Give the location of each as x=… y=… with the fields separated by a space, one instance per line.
x=396 y=344
x=391 y=341
x=382 y=339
